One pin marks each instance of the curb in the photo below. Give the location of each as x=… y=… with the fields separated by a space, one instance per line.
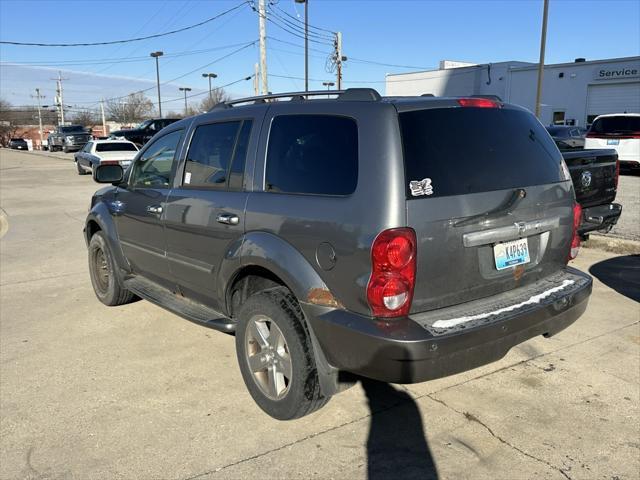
x=613 y=244
x=40 y=153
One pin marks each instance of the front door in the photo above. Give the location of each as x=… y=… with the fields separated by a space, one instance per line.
x=141 y=205
x=204 y=220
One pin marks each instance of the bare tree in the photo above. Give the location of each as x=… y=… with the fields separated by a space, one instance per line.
x=86 y=118
x=218 y=95
x=131 y=109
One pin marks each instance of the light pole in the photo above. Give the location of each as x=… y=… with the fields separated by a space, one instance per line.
x=210 y=76
x=185 y=90
x=328 y=85
x=156 y=55
x=306 y=43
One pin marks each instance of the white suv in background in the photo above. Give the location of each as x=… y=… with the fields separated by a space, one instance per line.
x=619 y=131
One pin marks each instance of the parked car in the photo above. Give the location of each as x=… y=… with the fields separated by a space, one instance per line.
x=18 y=144
x=104 y=152
x=567 y=137
x=68 y=138
x=143 y=132
x=619 y=131
x=595 y=176
x=346 y=235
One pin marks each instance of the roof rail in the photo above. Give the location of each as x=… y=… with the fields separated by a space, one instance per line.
x=350 y=94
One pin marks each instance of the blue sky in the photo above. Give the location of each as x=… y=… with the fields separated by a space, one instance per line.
x=416 y=34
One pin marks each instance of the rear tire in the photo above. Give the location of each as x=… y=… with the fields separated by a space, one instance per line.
x=276 y=356
x=102 y=269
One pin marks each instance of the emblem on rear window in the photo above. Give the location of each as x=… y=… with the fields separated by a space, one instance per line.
x=586 y=179
x=421 y=187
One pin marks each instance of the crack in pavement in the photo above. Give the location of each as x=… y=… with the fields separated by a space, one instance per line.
x=416 y=397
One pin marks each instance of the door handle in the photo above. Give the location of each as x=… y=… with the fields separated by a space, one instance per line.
x=228 y=219
x=154 y=209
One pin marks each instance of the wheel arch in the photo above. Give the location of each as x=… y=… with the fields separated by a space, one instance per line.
x=100 y=219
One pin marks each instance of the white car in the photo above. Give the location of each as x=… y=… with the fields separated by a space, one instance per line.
x=619 y=131
x=101 y=152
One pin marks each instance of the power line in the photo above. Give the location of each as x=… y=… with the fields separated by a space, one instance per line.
x=129 y=40
x=300 y=27
x=300 y=21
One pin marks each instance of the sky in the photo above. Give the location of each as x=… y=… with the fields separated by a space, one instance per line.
x=379 y=37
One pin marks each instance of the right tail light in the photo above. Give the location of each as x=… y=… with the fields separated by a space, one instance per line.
x=575 y=239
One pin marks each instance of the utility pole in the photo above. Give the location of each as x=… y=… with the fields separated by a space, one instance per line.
x=256 y=79
x=306 y=43
x=104 y=123
x=543 y=41
x=59 y=100
x=185 y=90
x=262 y=18
x=156 y=55
x=38 y=96
x=339 y=59
x=210 y=76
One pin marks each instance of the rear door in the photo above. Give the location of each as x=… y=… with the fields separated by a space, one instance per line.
x=489 y=199
x=204 y=218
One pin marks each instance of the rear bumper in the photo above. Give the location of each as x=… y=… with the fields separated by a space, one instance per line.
x=409 y=350
x=602 y=217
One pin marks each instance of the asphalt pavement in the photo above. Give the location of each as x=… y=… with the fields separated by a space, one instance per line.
x=135 y=392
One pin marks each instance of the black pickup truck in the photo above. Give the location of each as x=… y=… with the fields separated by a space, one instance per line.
x=595 y=180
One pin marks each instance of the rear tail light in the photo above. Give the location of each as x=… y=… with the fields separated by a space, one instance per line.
x=393 y=272
x=479 y=103
x=575 y=239
x=617 y=171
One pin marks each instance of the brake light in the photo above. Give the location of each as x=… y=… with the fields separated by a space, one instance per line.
x=575 y=240
x=393 y=272
x=478 y=102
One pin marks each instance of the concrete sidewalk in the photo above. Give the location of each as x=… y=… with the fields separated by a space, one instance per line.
x=90 y=392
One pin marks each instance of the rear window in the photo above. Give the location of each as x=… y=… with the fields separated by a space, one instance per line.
x=468 y=150
x=312 y=154
x=73 y=129
x=116 y=147
x=616 y=126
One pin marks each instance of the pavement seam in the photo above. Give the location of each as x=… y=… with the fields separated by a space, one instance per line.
x=415 y=397
x=41 y=279
x=472 y=418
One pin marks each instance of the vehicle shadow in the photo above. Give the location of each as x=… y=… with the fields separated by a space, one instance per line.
x=620 y=273
x=396 y=446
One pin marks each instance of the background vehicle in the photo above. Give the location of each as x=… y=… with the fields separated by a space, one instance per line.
x=595 y=176
x=346 y=235
x=143 y=132
x=567 y=137
x=68 y=138
x=619 y=131
x=101 y=152
x=18 y=144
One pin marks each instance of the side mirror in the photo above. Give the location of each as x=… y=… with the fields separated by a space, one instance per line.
x=108 y=174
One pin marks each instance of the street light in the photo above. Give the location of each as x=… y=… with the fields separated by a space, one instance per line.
x=210 y=76
x=306 y=43
x=185 y=90
x=156 y=55
x=328 y=84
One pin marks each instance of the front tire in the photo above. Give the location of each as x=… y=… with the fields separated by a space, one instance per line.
x=81 y=171
x=276 y=356
x=102 y=269
x=65 y=149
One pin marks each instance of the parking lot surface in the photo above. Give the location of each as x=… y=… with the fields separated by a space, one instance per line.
x=88 y=391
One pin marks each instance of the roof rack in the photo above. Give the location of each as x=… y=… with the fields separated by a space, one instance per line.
x=350 y=94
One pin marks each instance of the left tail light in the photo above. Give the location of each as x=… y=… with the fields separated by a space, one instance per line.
x=575 y=239
x=393 y=272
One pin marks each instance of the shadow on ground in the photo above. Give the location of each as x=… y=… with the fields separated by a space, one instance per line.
x=397 y=447
x=620 y=273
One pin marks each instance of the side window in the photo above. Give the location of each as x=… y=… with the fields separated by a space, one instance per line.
x=153 y=167
x=216 y=155
x=312 y=154
x=87 y=147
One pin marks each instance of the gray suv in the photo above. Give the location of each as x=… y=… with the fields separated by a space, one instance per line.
x=401 y=239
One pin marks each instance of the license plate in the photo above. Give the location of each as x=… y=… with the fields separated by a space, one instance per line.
x=613 y=141
x=510 y=254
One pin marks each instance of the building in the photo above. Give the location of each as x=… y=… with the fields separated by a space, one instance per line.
x=572 y=93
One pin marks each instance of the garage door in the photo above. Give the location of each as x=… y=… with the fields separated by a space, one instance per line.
x=613 y=98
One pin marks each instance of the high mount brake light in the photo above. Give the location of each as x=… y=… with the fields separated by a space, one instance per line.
x=479 y=103
x=393 y=272
x=575 y=239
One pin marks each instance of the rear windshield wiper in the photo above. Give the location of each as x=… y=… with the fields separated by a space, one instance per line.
x=504 y=208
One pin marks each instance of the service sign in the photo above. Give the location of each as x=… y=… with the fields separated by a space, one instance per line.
x=614 y=73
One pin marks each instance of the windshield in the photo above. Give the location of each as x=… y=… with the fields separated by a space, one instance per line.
x=144 y=124
x=467 y=150
x=116 y=147
x=73 y=129
x=613 y=125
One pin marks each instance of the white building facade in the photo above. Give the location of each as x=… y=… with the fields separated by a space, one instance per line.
x=572 y=93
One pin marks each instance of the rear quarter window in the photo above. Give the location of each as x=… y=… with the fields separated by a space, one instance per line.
x=312 y=154
x=463 y=150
